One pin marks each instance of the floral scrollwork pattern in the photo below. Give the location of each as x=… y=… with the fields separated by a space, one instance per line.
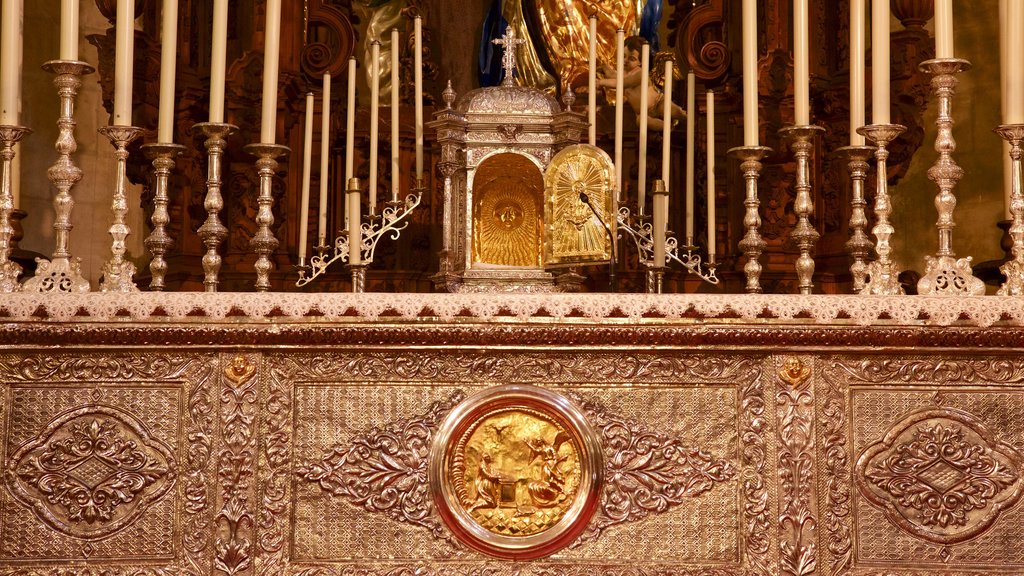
x=941 y=476
x=385 y=470
x=91 y=472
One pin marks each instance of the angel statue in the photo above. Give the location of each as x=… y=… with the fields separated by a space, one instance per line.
x=632 y=82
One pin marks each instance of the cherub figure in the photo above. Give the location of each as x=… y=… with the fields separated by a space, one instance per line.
x=631 y=84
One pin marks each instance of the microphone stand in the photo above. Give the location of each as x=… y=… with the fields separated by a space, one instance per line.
x=611 y=263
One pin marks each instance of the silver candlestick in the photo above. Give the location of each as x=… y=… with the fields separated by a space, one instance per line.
x=264 y=243
x=752 y=243
x=117 y=273
x=1014 y=269
x=805 y=236
x=945 y=274
x=9 y=271
x=882 y=274
x=212 y=232
x=62 y=273
x=159 y=242
x=859 y=245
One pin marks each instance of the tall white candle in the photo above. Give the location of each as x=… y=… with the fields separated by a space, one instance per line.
x=592 y=81
x=325 y=156
x=307 y=151
x=374 y=113
x=645 y=72
x=355 y=238
x=218 y=60
x=10 y=60
x=271 y=63
x=396 y=82
x=619 y=97
x=666 y=134
x=168 y=64
x=659 y=204
x=801 y=59
x=691 y=144
x=418 y=93
x=751 y=129
x=124 y=57
x=944 y=28
x=1013 y=104
x=857 y=47
x=879 y=61
x=350 y=127
x=711 y=175
x=69 y=29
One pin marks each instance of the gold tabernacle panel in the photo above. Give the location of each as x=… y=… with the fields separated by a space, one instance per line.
x=235 y=449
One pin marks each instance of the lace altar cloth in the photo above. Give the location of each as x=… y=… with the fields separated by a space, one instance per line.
x=822 y=309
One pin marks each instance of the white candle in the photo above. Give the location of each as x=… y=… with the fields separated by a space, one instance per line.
x=168 y=63
x=619 y=97
x=691 y=144
x=218 y=60
x=123 y=59
x=1011 y=17
x=350 y=127
x=801 y=73
x=711 y=175
x=666 y=134
x=355 y=237
x=271 y=62
x=10 y=61
x=374 y=112
x=645 y=71
x=879 y=61
x=69 y=29
x=395 y=143
x=857 y=47
x=325 y=156
x=751 y=129
x=944 y=28
x=660 y=224
x=418 y=94
x=592 y=81
x=307 y=148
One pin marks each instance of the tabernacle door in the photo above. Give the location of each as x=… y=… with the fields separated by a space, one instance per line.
x=579 y=212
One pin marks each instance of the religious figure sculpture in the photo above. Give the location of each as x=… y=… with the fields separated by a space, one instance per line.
x=631 y=85
x=487 y=484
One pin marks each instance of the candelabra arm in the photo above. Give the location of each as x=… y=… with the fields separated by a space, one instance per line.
x=117 y=273
x=1013 y=269
x=752 y=243
x=9 y=270
x=881 y=273
x=159 y=242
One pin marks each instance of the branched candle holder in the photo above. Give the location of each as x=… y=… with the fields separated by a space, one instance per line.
x=882 y=276
x=752 y=243
x=264 y=243
x=62 y=273
x=804 y=234
x=9 y=270
x=390 y=222
x=159 y=242
x=946 y=275
x=213 y=232
x=642 y=233
x=1014 y=269
x=118 y=274
x=859 y=245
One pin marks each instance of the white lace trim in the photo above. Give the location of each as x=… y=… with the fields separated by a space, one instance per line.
x=854 y=309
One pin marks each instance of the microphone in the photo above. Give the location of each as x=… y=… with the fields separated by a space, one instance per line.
x=611 y=262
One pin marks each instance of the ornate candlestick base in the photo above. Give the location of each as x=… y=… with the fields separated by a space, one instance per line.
x=9 y=270
x=805 y=236
x=882 y=273
x=655 y=275
x=752 y=243
x=1014 y=269
x=62 y=273
x=945 y=274
x=118 y=273
x=212 y=232
x=158 y=242
x=859 y=245
x=358 y=277
x=264 y=243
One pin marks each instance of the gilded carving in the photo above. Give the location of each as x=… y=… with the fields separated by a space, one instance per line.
x=941 y=475
x=797 y=520
x=578 y=190
x=275 y=466
x=91 y=472
x=756 y=511
x=834 y=462
x=936 y=370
